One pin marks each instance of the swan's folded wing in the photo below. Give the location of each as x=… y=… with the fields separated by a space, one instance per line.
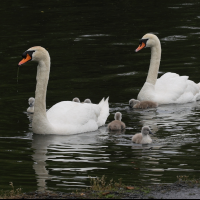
x=173 y=88
x=67 y=112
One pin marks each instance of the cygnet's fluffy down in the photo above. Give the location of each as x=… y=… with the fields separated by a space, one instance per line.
x=117 y=124
x=142 y=104
x=31 y=102
x=76 y=99
x=87 y=101
x=143 y=137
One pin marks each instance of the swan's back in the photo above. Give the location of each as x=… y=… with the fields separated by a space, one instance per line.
x=76 y=117
x=172 y=88
x=146 y=104
x=116 y=125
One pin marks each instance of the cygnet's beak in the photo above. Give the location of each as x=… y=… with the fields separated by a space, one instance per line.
x=150 y=132
x=141 y=46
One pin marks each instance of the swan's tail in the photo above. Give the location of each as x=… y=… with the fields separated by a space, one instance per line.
x=104 y=105
x=198 y=84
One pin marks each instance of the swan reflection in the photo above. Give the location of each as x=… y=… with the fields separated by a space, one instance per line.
x=64 y=148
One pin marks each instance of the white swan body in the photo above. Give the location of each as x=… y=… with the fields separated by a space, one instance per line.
x=170 y=87
x=65 y=117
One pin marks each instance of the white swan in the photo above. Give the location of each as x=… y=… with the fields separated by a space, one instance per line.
x=170 y=87
x=117 y=124
x=143 y=137
x=31 y=102
x=65 y=117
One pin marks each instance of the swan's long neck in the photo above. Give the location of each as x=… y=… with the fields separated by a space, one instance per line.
x=154 y=63
x=40 y=122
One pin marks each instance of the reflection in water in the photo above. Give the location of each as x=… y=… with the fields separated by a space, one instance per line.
x=62 y=146
x=94 y=59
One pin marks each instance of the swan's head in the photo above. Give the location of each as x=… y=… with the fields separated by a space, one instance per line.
x=87 y=101
x=132 y=102
x=76 y=99
x=148 y=40
x=118 y=116
x=146 y=130
x=36 y=53
x=31 y=101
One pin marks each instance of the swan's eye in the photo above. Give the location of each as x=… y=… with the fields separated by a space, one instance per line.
x=143 y=41
x=27 y=56
x=30 y=53
x=24 y=54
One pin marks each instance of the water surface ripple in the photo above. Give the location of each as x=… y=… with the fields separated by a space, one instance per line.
x=92 y=45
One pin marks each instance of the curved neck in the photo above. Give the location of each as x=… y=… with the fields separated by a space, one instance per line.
x=154 y=63
x=40 y=118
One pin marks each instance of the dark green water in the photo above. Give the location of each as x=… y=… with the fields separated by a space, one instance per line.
x=92 y=45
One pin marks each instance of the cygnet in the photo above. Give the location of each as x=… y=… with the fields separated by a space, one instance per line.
x=87 y=101
x=31 y=102
x=143 y=137
x=117 y=124
x=133 y=103
x=76 y=99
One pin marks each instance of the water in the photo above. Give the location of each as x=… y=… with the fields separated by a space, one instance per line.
x=92 y=54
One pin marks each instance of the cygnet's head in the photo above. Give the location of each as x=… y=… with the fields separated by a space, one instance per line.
x=146 y=130
x=76 y=99
x=87 y=101
x=118 y=116
x=132 y=102
x=148 y=40
x=36 y=53
x=31 y=101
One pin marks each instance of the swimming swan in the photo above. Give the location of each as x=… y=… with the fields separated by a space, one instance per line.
x=65 y=117
x=76 y=99
x=117 y=124
x=31 y=102
x=143 y=137
x=87 y=101
x=170 y=87
x=133 y=103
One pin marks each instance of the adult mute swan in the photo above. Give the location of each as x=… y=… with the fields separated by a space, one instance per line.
x=31 y=102
x=117 y=124
x=65 y=117
x=170 y=87
x=143 y=137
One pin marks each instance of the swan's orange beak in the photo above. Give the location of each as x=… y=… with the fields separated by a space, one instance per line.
x=141 y=46
x=28 y=57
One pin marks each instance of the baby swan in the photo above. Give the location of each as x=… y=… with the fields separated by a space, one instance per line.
x=143 y=137
x=117 y=124
x=31 y=102
x=87 y=101
x=142 y=104
x=76 y=99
